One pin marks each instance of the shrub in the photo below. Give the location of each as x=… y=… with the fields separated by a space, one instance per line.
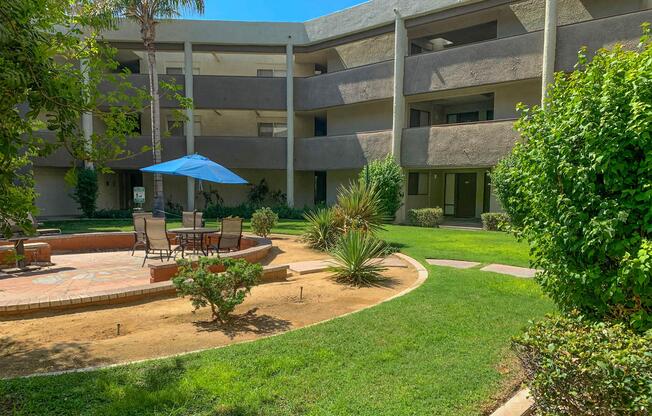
x=577 y=186
x=221 y=291
x=354 y=255
x=576 y=367
x=495 y=221
x=425 y=217
x=359 y=207
x=85 y=191
x=263 y=220
x=321 y=231
x=387 y=176
x=113 y=213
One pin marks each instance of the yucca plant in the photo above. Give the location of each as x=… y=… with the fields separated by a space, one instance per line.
x=359 y=207
x=355 y=255
x=321 y=231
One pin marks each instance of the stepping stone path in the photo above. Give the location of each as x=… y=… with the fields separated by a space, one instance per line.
x=496 y=268
x=458 y=264
x=510 y=270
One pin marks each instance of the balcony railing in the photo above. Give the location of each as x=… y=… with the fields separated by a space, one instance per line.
x=480 y=144
x=350 y=151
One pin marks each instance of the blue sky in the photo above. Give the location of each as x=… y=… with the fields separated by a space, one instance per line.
x=270 y=10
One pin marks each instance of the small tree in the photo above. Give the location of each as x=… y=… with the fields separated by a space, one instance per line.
x=579 y=186
x=85 y=190
x=387 y=176
x=263 y=220
x=221 y=291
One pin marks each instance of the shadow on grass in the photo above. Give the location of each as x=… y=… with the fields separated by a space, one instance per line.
x=19 y=358
x=247 y=323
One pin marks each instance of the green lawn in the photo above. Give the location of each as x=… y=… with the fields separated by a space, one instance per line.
x=435 y=351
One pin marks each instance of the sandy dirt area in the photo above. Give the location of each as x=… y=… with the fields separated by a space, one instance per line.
x=88 y=337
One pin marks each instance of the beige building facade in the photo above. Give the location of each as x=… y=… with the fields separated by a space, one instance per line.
x=462 y=67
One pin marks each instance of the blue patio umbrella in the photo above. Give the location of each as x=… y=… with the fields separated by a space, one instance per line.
x=198 y=167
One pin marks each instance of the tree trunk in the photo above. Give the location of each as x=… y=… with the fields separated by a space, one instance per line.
x=159 y=198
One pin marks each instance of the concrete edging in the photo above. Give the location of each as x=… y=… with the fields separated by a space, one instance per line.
x=422 y=276
x=521 y=404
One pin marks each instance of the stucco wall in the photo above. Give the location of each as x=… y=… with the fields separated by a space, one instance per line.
x=506 y=96
x=54 y=193
x=370 y=50
x=460 y=145
x=360 y=117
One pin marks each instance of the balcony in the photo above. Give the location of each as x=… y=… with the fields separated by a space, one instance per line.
x=142 y=81
x=239 y=93
x=351 y=151
x=517 y=57
x=471 y=145
x=355 y=85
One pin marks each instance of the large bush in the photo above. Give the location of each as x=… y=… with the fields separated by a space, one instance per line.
x=221 y=291
x=580 y=368
x=263 y=220
x=387 y=176
x=359 y=207
x=425 y=217
x=579 y=186
x=321 y=232
x=85 y=190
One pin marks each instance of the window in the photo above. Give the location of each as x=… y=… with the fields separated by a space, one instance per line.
x=136 y=121
x=419 y=118
x=174 y=70
x=467 y=117
x=490 y=114
x=278 y=73
x=175 y=128
x=417 y=183
x=320 y=69
x=321 y=129
x=320 y=188
x=272 y=129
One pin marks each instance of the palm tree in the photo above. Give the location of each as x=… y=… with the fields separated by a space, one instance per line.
x=147 y=14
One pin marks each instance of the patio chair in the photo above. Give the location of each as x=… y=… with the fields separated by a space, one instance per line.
x=139 y=229
x=156 y=238
x=230 y=235
x=42 y=231
x=192 y=219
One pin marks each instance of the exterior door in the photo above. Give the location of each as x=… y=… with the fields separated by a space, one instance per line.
x=465 y=195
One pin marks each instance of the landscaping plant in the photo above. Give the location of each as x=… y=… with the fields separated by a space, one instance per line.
x=359 y=207
x=84 y=182
x=321 y=232
x=263 y=220
x=581 y=368
x=221 y=291
x=387 y=176
x=356 y=255
x=495 y=221
x=578 y=187
x=425 y=217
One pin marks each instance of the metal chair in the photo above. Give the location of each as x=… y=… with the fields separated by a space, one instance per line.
x=139 y=229
x=230 y=235
x=194 y=219
x=156 y=238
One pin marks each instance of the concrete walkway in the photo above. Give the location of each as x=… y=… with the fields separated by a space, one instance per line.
x=523 y=272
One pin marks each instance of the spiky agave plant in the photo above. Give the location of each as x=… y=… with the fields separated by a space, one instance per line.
x=356 y=256
x=321 y=231
x=359 y=207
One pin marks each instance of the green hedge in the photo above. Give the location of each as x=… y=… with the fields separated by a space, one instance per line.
x=495 y=221
x=425 y=217
x=576 y=367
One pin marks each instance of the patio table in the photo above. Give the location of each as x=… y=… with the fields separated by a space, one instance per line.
x=194 y=235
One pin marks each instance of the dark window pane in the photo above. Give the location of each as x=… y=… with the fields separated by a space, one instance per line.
x=413 y=183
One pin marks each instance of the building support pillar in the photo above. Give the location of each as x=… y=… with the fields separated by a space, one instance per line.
x=190 y=119
x=289 y=53
x=549 y=47
x=87 y=118
x=398 y=109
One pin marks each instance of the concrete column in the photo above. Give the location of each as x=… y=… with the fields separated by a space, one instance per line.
x=190 y=123
x=549 y=47
x=398 y=114
x=289 y=53
x=87 y=117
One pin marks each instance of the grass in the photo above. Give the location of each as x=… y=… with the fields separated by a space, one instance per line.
x=441 y=349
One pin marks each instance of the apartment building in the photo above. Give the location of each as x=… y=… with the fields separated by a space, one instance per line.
x=306 y=105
